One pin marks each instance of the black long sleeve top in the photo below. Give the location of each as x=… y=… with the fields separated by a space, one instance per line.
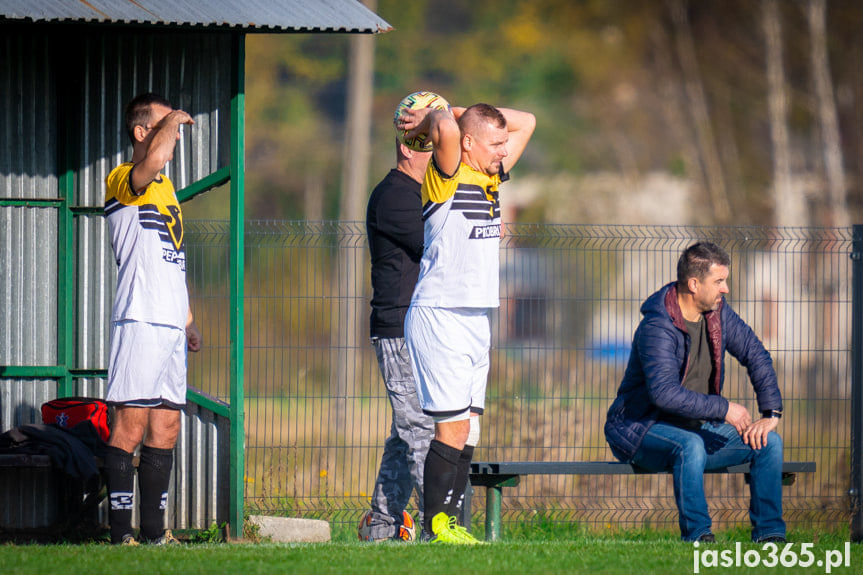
x=395 y=231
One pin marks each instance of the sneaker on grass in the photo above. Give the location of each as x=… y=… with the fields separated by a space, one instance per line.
x=129 y=541
x=446 y=530
x=167 y=538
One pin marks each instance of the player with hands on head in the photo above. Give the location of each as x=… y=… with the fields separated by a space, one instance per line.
x=447 y=324
x=669 y=414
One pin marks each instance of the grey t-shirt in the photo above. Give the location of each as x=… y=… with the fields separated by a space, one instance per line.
x=697 y=377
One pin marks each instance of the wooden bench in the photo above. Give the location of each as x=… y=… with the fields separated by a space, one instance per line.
x=495 y=475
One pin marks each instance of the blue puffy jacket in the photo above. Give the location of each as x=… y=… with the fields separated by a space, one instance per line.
x=652 y=384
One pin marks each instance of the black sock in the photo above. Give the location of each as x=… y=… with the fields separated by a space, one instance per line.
x=120 y=481
x=441 y=469
x=460 y=486
x=154 y=475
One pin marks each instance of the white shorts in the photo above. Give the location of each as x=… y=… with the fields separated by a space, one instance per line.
x=449 y=352
x=147 y=366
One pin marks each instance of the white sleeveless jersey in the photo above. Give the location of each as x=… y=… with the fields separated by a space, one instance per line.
x=461 y=217
x=147 y=237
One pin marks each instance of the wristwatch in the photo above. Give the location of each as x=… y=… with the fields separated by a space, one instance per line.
x=772 y=413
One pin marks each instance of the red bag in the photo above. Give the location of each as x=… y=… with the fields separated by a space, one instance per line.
x=67 y=412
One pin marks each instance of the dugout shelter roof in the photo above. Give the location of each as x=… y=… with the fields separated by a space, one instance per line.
x=349 y=16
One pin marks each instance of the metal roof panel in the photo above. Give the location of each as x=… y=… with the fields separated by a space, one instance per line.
x=251 y=15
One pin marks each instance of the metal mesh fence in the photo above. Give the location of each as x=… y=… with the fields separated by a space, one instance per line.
x=317 y=413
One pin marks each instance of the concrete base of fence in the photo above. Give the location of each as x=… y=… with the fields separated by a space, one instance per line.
x=292 y=530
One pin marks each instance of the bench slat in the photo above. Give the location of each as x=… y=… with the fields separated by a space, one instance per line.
x=603 y=468
x=24 y=460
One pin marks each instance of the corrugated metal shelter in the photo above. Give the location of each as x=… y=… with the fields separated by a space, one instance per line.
x=67 y=69
x=248 y=16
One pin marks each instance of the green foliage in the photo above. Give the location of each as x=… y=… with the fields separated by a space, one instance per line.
x=252 y=532
x=214 y=205
x=295 y=103
x=215 y=534
x=604 y=78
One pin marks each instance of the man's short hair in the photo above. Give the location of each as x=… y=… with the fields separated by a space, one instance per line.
x=695 y=261
x=479 y=114
x=138 y=111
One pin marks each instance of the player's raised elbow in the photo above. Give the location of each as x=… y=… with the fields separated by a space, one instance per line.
x=446 y=142
x=527 y=124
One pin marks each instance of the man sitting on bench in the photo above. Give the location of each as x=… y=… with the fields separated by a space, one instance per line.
x=669 y=413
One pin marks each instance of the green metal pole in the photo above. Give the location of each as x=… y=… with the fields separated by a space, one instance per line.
x=66 y=238
x=493 y=503
x=856 y=491
x=493 y=498
x=238 y=111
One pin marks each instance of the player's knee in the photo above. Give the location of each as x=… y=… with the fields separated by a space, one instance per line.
x=127 y=441
x=127 y=430
x=161 y=438
x=453 y=433
x=163 y=428
x=774 y=439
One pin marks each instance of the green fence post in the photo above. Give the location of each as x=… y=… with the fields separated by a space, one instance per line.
x=857 y=386
x=66 y=159
x=237 y=279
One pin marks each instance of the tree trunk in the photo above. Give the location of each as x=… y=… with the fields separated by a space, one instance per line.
x=729 y=154
x=788 y=206
x=348 y=274
x=698 y=107
x=357 y=150
x=313 y=195
x=668 y=83
x=827 y=114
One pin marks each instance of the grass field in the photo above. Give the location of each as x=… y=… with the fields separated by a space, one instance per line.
x=554 y=549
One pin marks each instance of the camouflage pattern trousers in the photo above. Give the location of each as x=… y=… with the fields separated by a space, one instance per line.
x=405 y=449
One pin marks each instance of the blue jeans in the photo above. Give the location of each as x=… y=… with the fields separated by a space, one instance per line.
x=687 y=454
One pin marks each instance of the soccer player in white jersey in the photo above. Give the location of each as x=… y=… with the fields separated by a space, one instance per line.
x=447 y=325
x=151 y=323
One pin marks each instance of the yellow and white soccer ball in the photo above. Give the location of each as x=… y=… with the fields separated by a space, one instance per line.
x=416 y=101
x=404 y=532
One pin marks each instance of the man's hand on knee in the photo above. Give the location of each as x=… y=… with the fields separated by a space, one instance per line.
x=756 y=434
x=738 y=416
